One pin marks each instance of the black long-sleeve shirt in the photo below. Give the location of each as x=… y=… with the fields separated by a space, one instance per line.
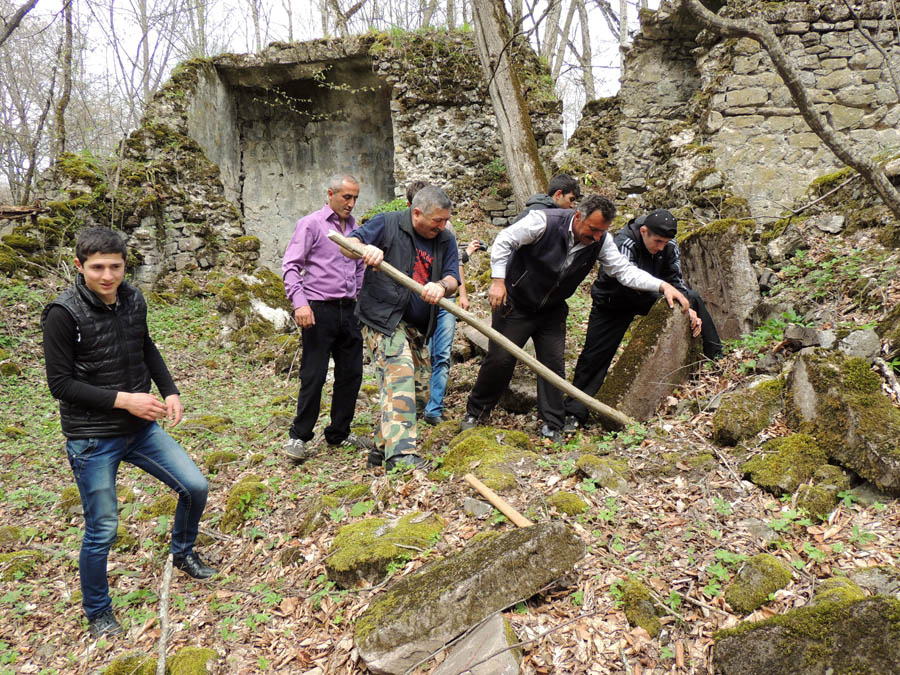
x=59 y=355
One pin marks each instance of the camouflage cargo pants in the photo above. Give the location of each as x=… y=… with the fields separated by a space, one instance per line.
x=403 y=372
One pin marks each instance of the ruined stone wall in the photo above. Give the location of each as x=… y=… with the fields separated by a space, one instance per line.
x=699 y=114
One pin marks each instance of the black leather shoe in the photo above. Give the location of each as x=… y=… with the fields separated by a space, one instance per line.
x=553 y=435
x=433 y=421
x=104 y=624
x=193 y=566
x=375 y=459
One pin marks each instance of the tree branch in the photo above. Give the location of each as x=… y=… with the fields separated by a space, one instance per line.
x=13 y=23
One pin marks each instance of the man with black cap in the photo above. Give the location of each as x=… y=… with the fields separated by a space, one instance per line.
x=648 y=242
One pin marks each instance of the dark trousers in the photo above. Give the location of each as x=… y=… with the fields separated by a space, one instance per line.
x=547 y=329
x=335 y=334
x=606 y=328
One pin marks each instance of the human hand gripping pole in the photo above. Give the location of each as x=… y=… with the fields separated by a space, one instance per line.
x=610 y=416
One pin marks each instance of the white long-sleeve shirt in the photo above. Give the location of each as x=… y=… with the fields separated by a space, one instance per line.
x=532 y=227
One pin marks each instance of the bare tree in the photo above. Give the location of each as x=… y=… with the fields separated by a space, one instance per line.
x=341 y=17
x=841 y=145
x=623 y=22
x=520 y=153
x=560 y=58
x=451 y=14
x=551 y=30
x=63 y=102
x=428 y=9
x=9 y=26
x=587 y=73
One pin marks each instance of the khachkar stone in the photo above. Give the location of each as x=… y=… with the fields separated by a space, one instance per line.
x=660 y=356
x=716 y=264
x=423 y=611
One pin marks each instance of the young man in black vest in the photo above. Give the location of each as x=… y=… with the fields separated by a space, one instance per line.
x=563 y=192
x=649 y=243
x=100 y=361
x=398 y=323
x=536 y=264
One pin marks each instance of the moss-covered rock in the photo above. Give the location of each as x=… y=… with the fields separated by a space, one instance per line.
x=10 y=535
x=844 y=638
x=10 y=369
x=745 y=413
x=131 y=664
x=190 y=661
x=363 y=551
x=125 y=540
x=888 y=330
x=219 y=458
x=241 y=499
x=640 y=610
x=604 y=471
x=839 y=401
x=837 y=589
x=758 y=578
x=785 y=463
x=820 y=498
x=164 y=505
x=69 y=499
x=568 y=503
x=493 y=455
x=217 y=424
x=18 y=564
x=320 y=506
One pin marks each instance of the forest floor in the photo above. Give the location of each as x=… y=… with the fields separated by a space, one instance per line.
x=684 y=525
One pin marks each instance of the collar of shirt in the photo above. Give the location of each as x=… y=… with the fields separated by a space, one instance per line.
x=332 y=217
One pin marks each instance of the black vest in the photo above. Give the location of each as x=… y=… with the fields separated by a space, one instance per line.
x=109 y=353
x=382 y=300
x=537 y=277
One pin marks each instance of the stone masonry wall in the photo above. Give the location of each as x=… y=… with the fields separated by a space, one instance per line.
x=698 y=112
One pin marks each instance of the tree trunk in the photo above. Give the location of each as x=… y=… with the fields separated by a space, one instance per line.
x=623 y=23
x=428 y=12
x=16 y=19
x=451 y=14
x=587 y=71
x=841 y=145
x=523 y=165
x=63 y=101
x=551 y=30
x=517 y=15
x=563 y=41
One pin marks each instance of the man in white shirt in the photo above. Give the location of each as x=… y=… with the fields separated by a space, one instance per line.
x=536 y=264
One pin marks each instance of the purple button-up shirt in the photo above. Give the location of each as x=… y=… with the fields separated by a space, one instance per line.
x=314 y=267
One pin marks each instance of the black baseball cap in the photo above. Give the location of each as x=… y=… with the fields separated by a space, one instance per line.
x=661 y=222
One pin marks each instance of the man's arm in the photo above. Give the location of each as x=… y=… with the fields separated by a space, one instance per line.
x=292 y=265
x=617 y=265
x=521 y=233
x=160 y=374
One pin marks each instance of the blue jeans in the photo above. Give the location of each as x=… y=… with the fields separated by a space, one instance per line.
x=94 y=463
x=440 y=344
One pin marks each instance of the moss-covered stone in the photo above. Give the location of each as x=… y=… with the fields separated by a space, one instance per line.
x=758 y=578
x=604 y=471
x=837 y=589
x=191 y=661
x=18 y=564
x=125 y=541
x=10 y=369
x=131 y=664
x=291 y=556
x=69 y=499
x=839 y=401
x=320 y=506
x=820 y=498
x=568 y=503
x=850 y=637
x=493 y=455
x=245 y=244
x=640 y=610
x=164 y=505
x=217 y=424
x=888 y=330
x=363 y=551
x=785 y=463
x=10 y=535
x=219 y=458
x=745 y=413
x=239 y=503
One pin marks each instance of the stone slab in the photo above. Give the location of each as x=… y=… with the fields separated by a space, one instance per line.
x=491 y=637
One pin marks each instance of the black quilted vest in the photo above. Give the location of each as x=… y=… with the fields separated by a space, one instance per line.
x=109 y=353
x=537 y=277
x=382 y=300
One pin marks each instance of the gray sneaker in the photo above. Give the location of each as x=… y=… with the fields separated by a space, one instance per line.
x=359 y=442
x=298 y=450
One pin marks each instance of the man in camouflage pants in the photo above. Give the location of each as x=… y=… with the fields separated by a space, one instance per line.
x=396 y=322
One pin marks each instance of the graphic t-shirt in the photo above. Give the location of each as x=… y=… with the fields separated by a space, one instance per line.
x=417 y=310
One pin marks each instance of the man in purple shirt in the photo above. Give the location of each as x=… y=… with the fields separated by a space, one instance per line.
x=322 y=285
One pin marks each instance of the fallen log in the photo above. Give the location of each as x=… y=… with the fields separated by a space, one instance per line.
x=610 y=416
x=496 y=500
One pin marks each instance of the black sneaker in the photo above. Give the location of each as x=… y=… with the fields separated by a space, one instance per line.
x=554 y=435
x=104 y=624
x=375 y=459
x=406 y=462
x=191 y=565
x=433 y=421
x=468 y=422
x=571 y=425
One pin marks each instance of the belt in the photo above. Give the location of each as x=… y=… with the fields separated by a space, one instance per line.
x=340 y=302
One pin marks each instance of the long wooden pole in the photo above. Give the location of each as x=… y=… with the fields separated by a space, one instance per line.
x=611 y=416
x=502 y=505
